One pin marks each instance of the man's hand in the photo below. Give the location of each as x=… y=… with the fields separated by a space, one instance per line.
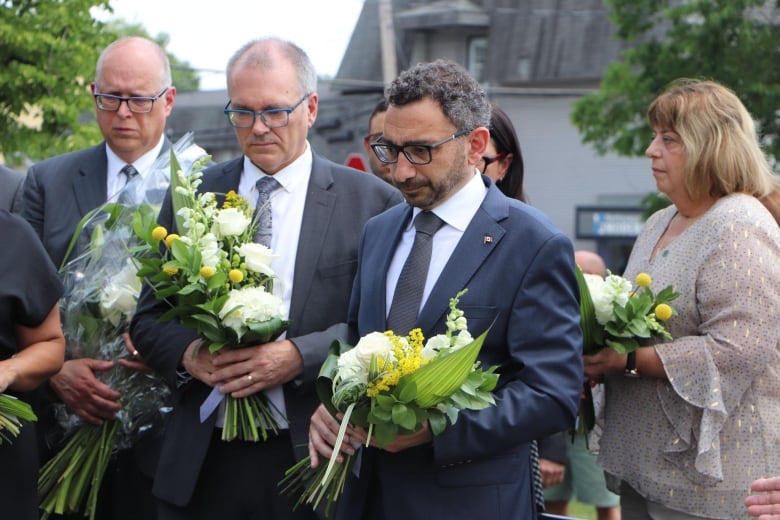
x=199 y=362
x=552 y=472
x=323 y=431
x=85 y=395
x=135 y=361
x=246 y=371
x=402 y=442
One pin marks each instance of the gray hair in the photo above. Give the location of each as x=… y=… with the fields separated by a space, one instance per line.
x=459 y=95
x=263 y=52
x=165 y=71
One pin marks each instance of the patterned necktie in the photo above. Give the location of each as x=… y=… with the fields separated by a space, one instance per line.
x=411 y=283
x=125 y=195
x=265 y=186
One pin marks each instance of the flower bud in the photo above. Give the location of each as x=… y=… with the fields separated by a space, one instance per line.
x=170 y=238
x=159 y=233
x=663 y=312
x=643 y=280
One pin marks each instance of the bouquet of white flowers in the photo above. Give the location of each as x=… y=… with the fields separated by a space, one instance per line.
x=615 y=314
x=219 y=283
x=12 y=413
x=391 y=385
x=101 y=291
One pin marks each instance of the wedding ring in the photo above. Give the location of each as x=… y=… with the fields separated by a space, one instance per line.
x=249 y=377
x=135 y=354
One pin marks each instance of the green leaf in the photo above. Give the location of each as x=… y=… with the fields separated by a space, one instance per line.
x=443 y=376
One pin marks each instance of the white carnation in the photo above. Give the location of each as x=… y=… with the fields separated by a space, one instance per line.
x=605 y=293
x=249 y=305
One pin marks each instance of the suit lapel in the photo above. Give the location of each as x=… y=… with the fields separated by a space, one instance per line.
x=481 y=237
x=89 y=184
x=379 y=260
x=317 y=215
x=229 y=178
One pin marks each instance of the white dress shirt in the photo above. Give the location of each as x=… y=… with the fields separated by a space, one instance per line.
x=115 y=180
x=456 y=212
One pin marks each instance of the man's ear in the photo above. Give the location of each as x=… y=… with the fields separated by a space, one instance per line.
x=478 y=141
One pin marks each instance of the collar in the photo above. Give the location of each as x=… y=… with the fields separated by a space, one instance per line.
x=291 y=177
x=143 y=164
x=458 y=210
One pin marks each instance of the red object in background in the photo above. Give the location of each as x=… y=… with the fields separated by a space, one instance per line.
x=355 y=160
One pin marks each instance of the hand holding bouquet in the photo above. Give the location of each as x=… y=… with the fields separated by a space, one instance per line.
x=221 y=283
x=392 y=385
x=101 y=292
x=614 y=314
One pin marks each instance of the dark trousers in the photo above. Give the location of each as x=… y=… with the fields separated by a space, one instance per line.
x=239 y=480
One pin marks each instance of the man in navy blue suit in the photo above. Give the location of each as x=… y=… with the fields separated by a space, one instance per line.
x=518 y=269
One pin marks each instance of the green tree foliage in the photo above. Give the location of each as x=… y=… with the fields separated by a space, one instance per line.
x=734 y=42
x=48 y=50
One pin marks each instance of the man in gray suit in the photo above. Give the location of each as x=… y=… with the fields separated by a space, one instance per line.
x=10 y=189
x=133 y=98
x=318 y=212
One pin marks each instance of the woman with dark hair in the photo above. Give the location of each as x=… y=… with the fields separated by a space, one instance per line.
x=503 y=160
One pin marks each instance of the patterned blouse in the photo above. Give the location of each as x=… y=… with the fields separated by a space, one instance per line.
x=696 y=441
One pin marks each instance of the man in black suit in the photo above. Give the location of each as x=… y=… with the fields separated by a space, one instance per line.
x=318 y=212
x=133 y=98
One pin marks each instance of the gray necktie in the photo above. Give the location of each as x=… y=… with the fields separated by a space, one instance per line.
x=125 y=196
x=411 y=282
x=265 y=186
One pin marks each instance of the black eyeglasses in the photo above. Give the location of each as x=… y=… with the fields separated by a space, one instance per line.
x=136 y=104
x=415 y=153
x=272 y=118
x=490 y=160
x=370 y=138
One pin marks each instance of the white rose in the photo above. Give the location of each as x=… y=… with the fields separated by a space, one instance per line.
x=354 y=363
x=258 y=257
x=247 y=305
x=120 y=296
x=230 y=222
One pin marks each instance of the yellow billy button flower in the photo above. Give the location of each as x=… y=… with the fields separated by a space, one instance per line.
x=235 y=275
x=643 y=280
x=663 y=312
x=207 y=271
x=159 y=233
x=170 y=238
x=170 y=271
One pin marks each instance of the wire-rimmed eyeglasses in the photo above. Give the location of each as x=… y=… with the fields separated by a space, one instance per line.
x=136 y=104
x=272 y=117
x=418 y=154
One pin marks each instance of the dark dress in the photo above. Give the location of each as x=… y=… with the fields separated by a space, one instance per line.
x=29 y=288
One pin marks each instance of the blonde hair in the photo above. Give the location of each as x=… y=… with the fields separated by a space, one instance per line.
x=719 y=136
